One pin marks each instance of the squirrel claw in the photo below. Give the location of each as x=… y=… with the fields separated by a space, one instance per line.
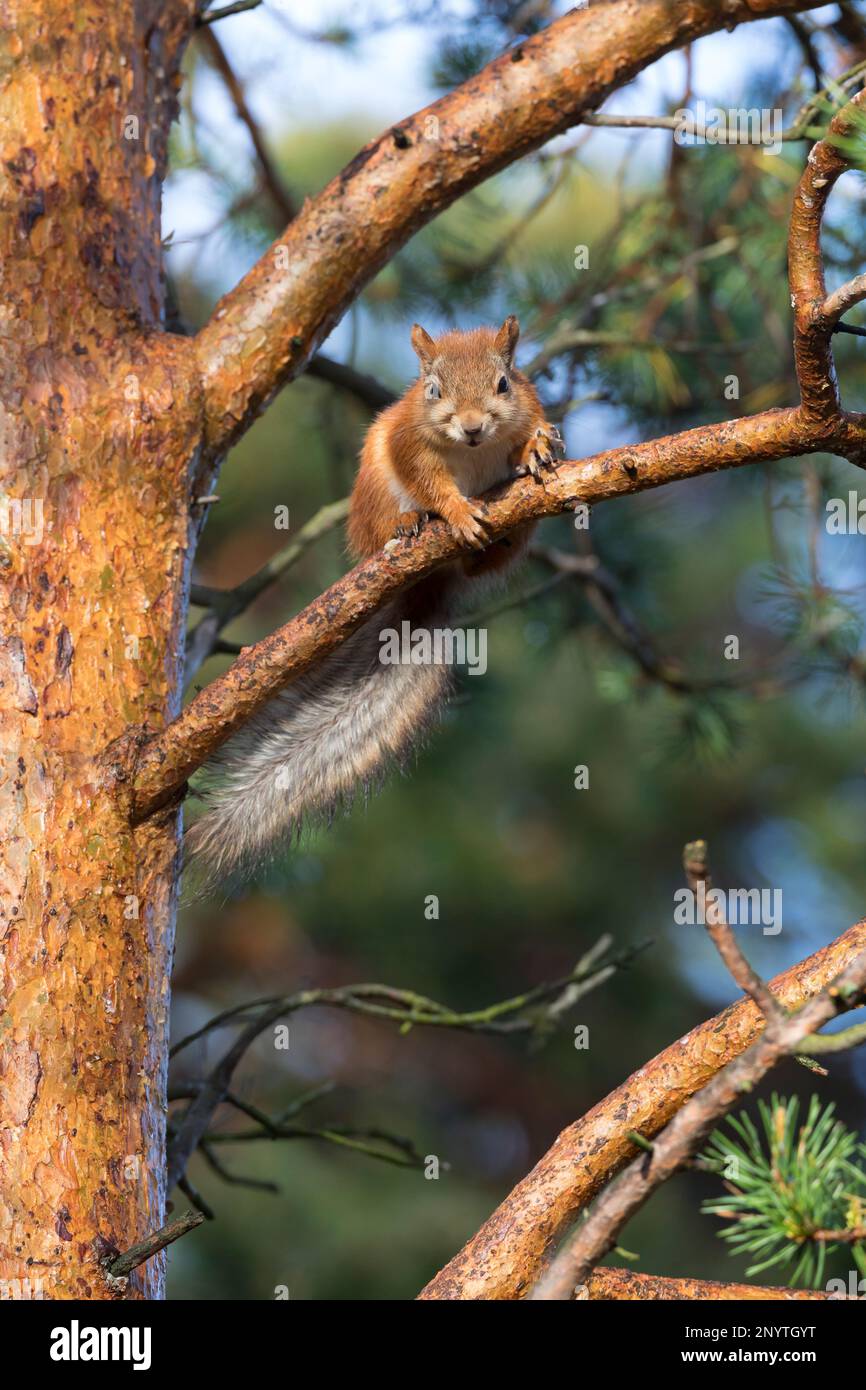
x=410 y=523
x=541 y=452
x=467 y=526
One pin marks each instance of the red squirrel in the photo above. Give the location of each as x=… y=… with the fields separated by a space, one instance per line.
x=471 y=420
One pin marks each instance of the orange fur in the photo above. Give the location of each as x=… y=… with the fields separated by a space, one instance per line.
x=469 y=422
x=419 y=456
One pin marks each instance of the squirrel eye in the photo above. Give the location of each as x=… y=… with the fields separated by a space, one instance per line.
x=503 y=385
x=431 y=391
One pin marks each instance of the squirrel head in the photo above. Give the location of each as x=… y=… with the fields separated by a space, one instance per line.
x=467 y=386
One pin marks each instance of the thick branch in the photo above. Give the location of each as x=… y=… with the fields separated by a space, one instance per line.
x=625 y=1285
x=504 y=1258
x=682 y=1137
x=223 y=605
x=264 y=330
x=170 y=758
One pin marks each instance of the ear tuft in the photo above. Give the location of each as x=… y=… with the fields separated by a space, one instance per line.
x=423 y=344
x=506 y=339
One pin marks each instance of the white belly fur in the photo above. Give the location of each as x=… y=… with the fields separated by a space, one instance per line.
x=473 y=470
x=476 y=470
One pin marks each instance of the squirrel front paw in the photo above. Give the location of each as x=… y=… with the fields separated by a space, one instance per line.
x=466 y=523
x=542 y=450
x=410 y=523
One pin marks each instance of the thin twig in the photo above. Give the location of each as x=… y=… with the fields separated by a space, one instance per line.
x=270 y=174
x=850 y=1235
x=533 y=1011
x=238 y=7
x=804 y=35
x=406 y=1155
x=124 y=1264
x=196 y=1198
x=823 y=1043
x=696 y=866
x=800 y=129
x=234 y=1179
x=604 y=595
x=843 y=299
x=691 y=128
x=571 y=339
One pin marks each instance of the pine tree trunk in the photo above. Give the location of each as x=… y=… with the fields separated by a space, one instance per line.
x=99 y=417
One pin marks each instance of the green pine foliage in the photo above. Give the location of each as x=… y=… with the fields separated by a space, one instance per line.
x=786 y=1182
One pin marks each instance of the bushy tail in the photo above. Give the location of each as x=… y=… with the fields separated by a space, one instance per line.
x=327 y=734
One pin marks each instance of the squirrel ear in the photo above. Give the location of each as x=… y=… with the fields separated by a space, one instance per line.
x=423 y=345
x=506 y=339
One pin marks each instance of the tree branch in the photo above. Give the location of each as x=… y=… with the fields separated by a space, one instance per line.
x=682 y=1137
x=849 y=1235
x=401 y=1154
x=365 y=388
x=122 y=1265
x=233 y=1179
x=843 y=299
x=689 y=127
x=804 y=36
x=531 y=1012
x=813 y=321
x=262 y=333
x=505 y=1256
x=697 y=869
x=170 y=758
x=842 y=1041
x=237 y=7
x=270 y=174
x=223 y=605
x=167 y=761
x=606 y=600
x=626 y=1285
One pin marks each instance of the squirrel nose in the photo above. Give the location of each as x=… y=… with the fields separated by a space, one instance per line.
x=472 y=427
